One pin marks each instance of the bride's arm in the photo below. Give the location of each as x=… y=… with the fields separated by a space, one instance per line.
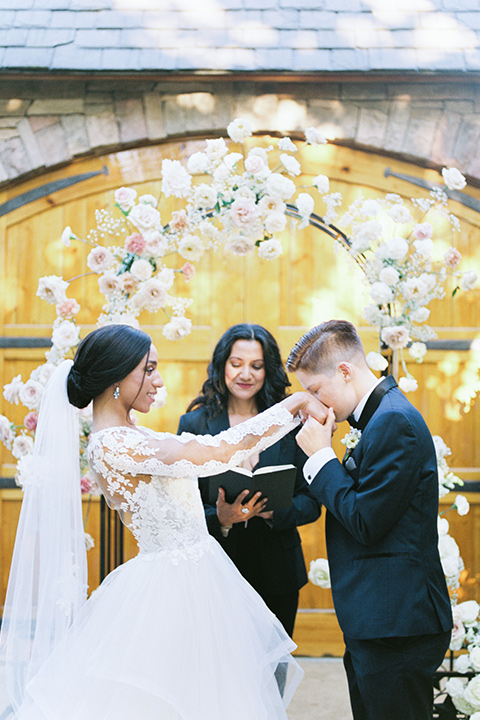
x=132 y=453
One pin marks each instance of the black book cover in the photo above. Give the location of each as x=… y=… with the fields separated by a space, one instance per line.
x=276 y=482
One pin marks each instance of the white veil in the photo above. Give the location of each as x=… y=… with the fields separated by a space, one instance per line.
x=48 y=576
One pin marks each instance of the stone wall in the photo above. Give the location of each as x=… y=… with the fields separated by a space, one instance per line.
x=44 y=124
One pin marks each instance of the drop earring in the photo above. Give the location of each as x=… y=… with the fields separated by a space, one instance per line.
x=116 y=392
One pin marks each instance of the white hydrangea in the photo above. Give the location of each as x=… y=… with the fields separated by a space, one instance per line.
x=313 y=136
x=291 y=164
x=176 y=180
x=389 y=275
x=370 y=207
x=469 y=280
x=322 y=183
x=239 y=129
x=198 y=163
x=286 y=145
x=305 y=204
x=424 y=247
x=420 y=315
x=381 y=293
x=417 y=351
x=280 y=187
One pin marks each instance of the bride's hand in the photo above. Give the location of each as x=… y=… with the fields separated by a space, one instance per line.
x=306 y=405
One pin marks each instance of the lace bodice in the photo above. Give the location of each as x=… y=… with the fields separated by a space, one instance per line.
x=151 y=478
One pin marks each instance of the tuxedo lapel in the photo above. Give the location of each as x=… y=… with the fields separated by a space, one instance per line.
x=373 y=402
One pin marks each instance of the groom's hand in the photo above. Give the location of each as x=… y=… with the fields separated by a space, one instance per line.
x=315 y=436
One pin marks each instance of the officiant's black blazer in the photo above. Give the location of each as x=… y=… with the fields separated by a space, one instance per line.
x=269 y=555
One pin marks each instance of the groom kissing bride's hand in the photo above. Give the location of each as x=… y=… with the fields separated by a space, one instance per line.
x=317 y=435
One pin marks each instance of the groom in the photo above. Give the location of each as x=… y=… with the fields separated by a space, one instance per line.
x=388 y=586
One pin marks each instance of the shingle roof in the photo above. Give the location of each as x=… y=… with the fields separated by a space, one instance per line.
x=240 y=35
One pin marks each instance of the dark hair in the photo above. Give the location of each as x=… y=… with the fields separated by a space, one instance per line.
x=214 y=394
x=325 y=345
x=104 y=357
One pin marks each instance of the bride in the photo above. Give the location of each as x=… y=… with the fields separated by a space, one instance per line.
x=176 y=633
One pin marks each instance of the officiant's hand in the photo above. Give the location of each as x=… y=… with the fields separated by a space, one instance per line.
x=305 y=405
x=315 y=436
x=231 y=513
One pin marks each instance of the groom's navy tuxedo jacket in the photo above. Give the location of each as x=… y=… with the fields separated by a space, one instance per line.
x=381 y=525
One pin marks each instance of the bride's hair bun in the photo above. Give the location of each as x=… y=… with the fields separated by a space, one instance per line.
x=104 y=357
x=77 y=394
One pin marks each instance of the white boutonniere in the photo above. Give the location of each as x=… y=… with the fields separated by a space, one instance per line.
x=352 y=438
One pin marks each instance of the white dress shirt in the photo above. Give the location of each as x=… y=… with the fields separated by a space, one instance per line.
x=316 y=461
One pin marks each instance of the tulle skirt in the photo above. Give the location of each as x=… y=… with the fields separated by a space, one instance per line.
x=165 y=641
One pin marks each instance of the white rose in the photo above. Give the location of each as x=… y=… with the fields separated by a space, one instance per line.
x=22 y=445
x=167 y=277
x=305 y=204
x=67 y=236
x=424 y=247
x=400 y=214
x=89 y=542
x=280 y=187
x=467 y=612
x=175 y=179
x=447 y=547
x=395 y=336
x=177 y=328
x=442 y=525
x=52 y=289
x=420 y=315
x=396 y=249
x=322 y=183
x=108 y=283
x=255 y=164
x=417 y=350
x=154 y=295
x=216 y=150
x=24 y=470
x=270 y=204
x=453 y=178
x=472 y=693
x=451 y=566
x=240 y=245
x=65 y=335
x=239 y=129
x=462 y=664
x=275 y=222
x=407 y=384
x=125 y=198
x=6 y=431
x=287 y=145
x=381 y=293
x=205 y=196
x=145 y=217
x=370 y=207
x=12 y=389
x=468 y=281
x=319 y=573
x=99 y=259
x=475 y=716
x=375 y=361
x=160 y=397
x=148 y=200
x=197 y=163
x=30 y=394
x=389 y=276
x=475 y=658
x=314 y=136
x=270 y=249
x=191 y=248
x=462 y=505
x=455 y=687
x=291 y=164
x=141 y=269
x=231 y=160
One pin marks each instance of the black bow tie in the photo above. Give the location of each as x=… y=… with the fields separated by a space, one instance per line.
x=372 y=403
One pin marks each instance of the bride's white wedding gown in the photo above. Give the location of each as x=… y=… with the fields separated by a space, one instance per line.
x=176 y=633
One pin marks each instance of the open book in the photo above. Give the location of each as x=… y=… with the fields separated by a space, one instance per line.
x=276 y=482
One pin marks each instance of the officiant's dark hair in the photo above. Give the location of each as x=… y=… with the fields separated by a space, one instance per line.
x=104 y=357
x=214 y=394
x=325 y=345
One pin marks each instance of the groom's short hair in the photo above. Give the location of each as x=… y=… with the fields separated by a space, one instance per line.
x=325 y=345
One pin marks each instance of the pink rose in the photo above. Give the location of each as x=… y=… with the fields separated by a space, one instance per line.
x=188 y=271
x=179 y=221
x=452 y=258
x=254 y=164
x=135 y=243
x=125 y=198
x=422 y=231
x=243 y=211
x=68 y=308
x=30 y=420
x=129 y=283
x=85 y=484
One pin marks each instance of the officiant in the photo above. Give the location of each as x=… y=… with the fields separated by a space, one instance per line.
x=245 y=376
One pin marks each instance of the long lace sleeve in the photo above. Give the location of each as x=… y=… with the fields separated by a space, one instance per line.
x=139 y=451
